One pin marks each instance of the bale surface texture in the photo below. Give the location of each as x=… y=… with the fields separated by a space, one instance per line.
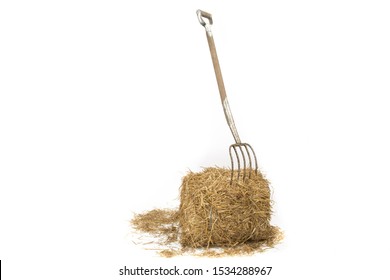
x=214 y=212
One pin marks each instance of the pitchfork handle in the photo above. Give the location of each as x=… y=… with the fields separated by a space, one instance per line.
x=218 y=74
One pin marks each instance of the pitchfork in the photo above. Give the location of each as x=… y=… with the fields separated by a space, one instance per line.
x=246 y=153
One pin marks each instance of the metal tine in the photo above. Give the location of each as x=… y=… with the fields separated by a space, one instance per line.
x=254 y=156
x=243 y=159
x=238 y=163
x=231 y=163
x=250 y=160
x=233 y=147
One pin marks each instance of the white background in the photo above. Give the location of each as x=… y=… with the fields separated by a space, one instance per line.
x=105 y=105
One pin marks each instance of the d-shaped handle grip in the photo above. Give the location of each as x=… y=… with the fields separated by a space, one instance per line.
x=202 y=14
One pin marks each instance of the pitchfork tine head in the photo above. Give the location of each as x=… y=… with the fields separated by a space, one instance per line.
x=246 y=155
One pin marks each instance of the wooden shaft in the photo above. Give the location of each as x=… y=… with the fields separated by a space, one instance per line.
x=217 y=68
x=221 y=86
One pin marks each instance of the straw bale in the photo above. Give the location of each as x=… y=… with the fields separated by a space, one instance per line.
x=238 y=223
x=214 y=212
